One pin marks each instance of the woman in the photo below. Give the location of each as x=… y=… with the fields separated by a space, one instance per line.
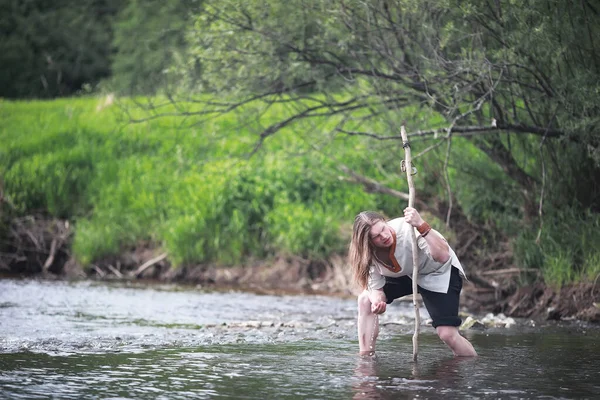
x=381 y=257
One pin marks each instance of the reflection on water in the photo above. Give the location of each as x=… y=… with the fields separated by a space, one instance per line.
x=86 y=340
x=549 y=363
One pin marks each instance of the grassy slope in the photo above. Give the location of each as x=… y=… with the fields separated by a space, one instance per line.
x=190 y=189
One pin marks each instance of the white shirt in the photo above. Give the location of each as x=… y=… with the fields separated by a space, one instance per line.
x=433 y=276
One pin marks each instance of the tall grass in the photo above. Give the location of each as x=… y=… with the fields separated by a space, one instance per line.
x=567 y=250
x=190 y=189
x=189 y=192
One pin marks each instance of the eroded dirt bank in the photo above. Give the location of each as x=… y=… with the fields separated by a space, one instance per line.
x=332 y=277
x=41 y=249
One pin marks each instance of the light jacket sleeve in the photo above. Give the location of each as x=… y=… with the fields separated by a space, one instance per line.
x=376 y=280
x=424 y=246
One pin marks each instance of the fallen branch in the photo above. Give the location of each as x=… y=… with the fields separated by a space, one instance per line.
x=516 y=306
x=115 y=271
x=33 y=239
x=148 y=264
x=463 y=250
x=372 y=186
x=99 y=271
x=508 y=271
x=50 y=258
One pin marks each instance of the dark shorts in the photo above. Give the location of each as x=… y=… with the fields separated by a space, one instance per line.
x=442 y=307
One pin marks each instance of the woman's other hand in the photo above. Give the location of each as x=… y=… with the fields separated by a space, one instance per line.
x=378 y=307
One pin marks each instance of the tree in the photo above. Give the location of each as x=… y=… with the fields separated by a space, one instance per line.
x=519 y=80
x=51 y=49
x=148 y=34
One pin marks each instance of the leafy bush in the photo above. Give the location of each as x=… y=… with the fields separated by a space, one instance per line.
x=567 y=251
x=190 y=190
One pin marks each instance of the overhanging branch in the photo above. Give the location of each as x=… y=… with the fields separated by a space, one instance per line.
x=372 y=186
x=466 y=131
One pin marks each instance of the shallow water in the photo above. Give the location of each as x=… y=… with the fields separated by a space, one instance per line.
x=131 y=341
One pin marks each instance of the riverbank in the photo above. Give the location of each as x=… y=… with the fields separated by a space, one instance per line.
x=294 y=275
x=536 y=301
x=77 y=184
x=41 y=248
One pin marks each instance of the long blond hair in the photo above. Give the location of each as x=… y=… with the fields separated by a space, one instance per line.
x=361 y=251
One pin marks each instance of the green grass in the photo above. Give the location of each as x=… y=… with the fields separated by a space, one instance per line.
x=188 y=187
x=189 y=191
x=567 y=250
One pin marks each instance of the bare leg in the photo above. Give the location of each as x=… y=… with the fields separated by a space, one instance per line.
x=459 y=345
x=368 y=328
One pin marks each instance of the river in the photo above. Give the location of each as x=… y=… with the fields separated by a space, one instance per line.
x=98 y=340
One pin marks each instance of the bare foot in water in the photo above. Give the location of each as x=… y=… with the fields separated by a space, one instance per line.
x=367 y=354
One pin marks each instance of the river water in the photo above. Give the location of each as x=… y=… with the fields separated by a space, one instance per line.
x=91 y=340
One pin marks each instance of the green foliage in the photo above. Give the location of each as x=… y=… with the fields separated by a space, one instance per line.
x=272 y=65
x=54 y=182
x=557 y=269
x=307 y=231
x=323 y=84
x=518 y=80
x=531 y=66
x=49 y=49
x=483 y=190
x=147 y=36
x=567 y=249
x=130 y=205
x=184 y=192
x=190 y=191
x=59 y=48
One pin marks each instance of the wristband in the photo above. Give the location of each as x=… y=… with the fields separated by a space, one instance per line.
x=424 y=229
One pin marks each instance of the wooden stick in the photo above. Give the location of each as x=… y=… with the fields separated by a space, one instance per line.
x=508 y=271
x=98 y=271
x=50 y=258
x=148 y=264
x=115 y=271
x=411 y=202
